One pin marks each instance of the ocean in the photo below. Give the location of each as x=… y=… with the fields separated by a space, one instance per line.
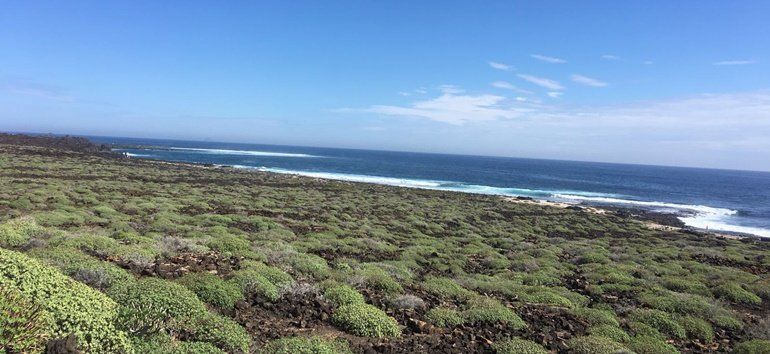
x=727 y=200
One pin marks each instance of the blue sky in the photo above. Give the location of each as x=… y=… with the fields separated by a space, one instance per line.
x=658 y=82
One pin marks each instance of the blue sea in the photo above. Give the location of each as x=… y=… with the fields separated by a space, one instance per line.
x=737 y=201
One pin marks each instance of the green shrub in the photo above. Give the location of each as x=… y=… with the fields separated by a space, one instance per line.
x=221 y=331
x=196 y=348
x=162 y=343
x=24 y=326
x=311 y=265
x=275 y=275
x=305 y=345
x=681 y=284
x=518 y=346
x=17 y=232
x=651 y=345
x=727 y=321
x=445 y=288
x=251 y=281
x=595 y=345
x=595 y=316
x=611 y=332
x=697 y=328
x=151 y=305
x=644 y=330
x=213 y=290
x=735 y=293
x=60 y=218
x=343 y=295
x=83 y=268
x=73 y=307
x=490 y=310
x=365 y=320
x=444 y=317
x=755 y=346
x=378 y=279
x=671 y=302
x=231 y=245
x=659 y=320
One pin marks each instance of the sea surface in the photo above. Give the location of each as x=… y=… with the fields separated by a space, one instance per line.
x=727 y=200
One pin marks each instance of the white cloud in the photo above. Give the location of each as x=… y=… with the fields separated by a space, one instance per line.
x=610 y=57
x=454 y=109
x=451 y=89
x=585 y=80
x=547 y=59
x=503 y=85
x=543 y=82
x=554 y=94
x=735 y=62
x=647 y=62
x=500 y=66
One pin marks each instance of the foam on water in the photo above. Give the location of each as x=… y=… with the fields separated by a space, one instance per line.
x=242 y=152
x=698 y=216
x=131 y=154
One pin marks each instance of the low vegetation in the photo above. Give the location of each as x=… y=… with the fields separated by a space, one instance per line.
x=131 y=256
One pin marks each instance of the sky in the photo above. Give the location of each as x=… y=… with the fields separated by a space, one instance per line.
x=684 y=83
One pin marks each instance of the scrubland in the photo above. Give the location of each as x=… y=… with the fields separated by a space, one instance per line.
x=114 y=255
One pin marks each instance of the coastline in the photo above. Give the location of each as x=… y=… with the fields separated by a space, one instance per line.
x=654 y=220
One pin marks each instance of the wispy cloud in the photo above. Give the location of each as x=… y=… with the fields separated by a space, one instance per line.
x=647 y=62
x=453 y=108
x=585 y=80
x=547 y=59
x=500 y=66
x=542 y=82
x=505 y=85
x=735 y=62
x=610 y=57
x=555 y=94
x=35 y=89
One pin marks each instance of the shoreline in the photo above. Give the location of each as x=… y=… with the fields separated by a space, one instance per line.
x=636 y=213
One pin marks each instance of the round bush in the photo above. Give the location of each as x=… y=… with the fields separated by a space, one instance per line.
x=150 y=305
x=221 y=331
x=252 y=282
x=651 y=345
x=489 y=310
x=444 y=317
x=756 y=346
x=341 y=295
x=304 y=345
x=17 y=232
x=213 y=290
x=596 y=317
x=595 y=345
x=365 y=320
x=519 y=346
x=659 y=320
x=697 y=328
x=164 y=344
x=611 y=332
x=73 y=306
x=735 y=293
